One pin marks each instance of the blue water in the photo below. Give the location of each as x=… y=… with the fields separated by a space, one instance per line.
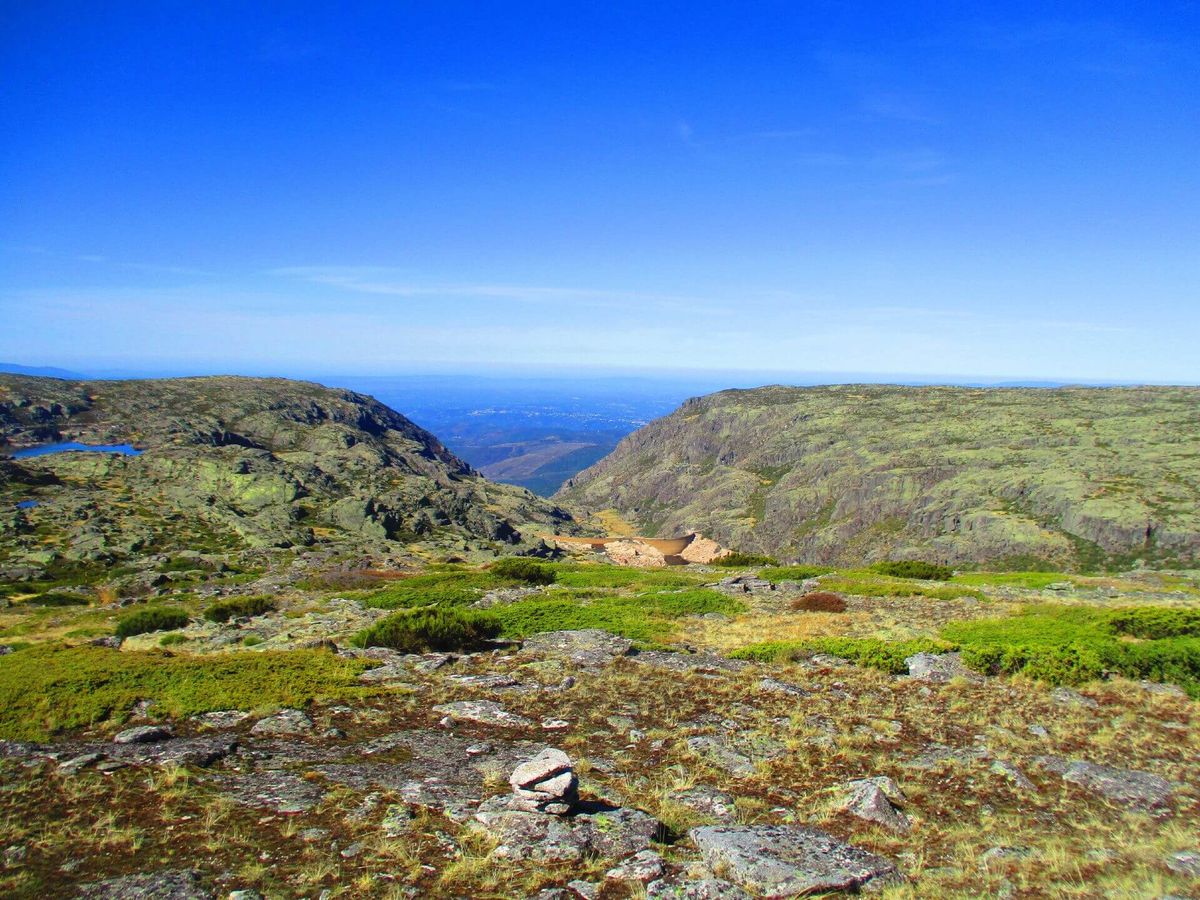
x=27 y=504
x=46 y=449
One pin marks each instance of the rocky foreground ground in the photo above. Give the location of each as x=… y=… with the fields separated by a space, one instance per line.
x=573 y=764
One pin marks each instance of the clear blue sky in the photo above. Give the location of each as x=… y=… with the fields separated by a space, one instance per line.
x=984 y=189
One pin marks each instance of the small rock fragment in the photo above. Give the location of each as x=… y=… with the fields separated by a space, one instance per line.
x=641 y=868
x=142 y=734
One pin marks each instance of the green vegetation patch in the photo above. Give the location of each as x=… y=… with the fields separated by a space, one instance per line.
x=155 y=618
x=593 y=576
x=777 y=574
x=913 y=568
x=865 y=583
x=745 y=560
x=1073 y=644
x=430 y=630
x=50 y=688
x=1035 y=581
x=1155 y=622
x=55 y=598
x=875 y=653
x=526 y=571
x=237 y=607
x=449 y=587
x=644 y=617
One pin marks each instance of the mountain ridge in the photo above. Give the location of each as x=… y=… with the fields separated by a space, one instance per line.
x=233 y=463
x=1074 y=476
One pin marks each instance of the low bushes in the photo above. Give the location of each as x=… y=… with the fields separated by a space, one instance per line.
x=47 y=688
x=1154 y=622
x=155 y=618
x=744 y=560
x=448 y=587
x=611 y=576
x=818 y=601
x=526 y=571
x=870 y=584
x=644 y=617
x=776 y=574
x=1072 y=644
x=54 y=598
x=237 y=607
x=913 y=568
x=430 y=629
x=887 y=656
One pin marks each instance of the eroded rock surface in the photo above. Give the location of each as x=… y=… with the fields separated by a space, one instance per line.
x=787 y=860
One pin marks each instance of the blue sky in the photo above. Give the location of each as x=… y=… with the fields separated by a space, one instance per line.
x=1002 y=190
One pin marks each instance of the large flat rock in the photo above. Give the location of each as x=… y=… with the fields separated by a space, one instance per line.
x=787 y=860
x=588 y=647
x=1128 y=787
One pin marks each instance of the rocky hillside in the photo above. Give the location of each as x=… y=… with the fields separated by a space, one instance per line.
x=1076 y=477
x=235 y=463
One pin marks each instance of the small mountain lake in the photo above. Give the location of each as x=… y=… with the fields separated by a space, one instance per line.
x=73 y=447
x=27 y=504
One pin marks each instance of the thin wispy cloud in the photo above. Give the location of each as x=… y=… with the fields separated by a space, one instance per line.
x=385 y=281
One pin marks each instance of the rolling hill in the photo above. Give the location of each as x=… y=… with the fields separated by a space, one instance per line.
x=1075 y=477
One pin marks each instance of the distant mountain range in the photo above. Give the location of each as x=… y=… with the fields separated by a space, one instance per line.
x=1075 y=477
x=42 y=371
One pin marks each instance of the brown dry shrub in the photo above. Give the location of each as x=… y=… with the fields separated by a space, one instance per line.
x=819 y=601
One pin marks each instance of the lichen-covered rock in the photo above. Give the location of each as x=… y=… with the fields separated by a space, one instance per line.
x=641 y=868
x=142 y=734
x=679 y=887
x=938 y=668
x=708 y=801
x=786 y=860
x=1127 y=787
x=169 y=884
x=872 y=800
x=609 y=833
x=546 y=783
x=587 y=647
x=485 y=712
x=286 y=721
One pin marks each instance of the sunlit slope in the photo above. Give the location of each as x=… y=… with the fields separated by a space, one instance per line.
x=1077 y=477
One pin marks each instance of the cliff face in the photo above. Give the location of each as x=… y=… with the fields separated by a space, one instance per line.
x=1071 y=477
x=236 y=462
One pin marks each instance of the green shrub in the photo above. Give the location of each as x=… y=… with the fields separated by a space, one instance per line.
x=54 y=598
x=888 y=656
x=777 y=574
x=1155 y=622
x=643 y=617
x=48 y=688
x=870 y=584
x=156 y=618
x=237 y=607
x=515 y=568
x=745 y=560
x=1030 y=580
x=1073 y=644
x=430 y=629
x=172 y=639
x=251 y=640
x=593 y=575
x=448 y=587
x=913 y=568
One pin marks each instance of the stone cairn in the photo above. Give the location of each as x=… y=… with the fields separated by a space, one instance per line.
x=545 y=784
